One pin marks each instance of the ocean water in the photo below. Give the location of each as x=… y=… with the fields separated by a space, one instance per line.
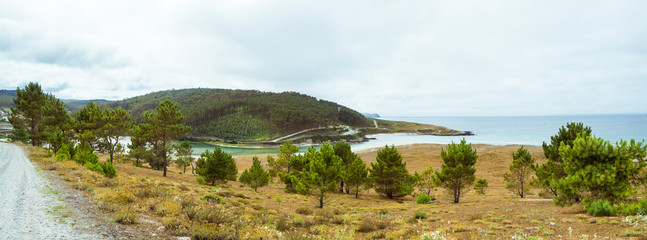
x=527 y=130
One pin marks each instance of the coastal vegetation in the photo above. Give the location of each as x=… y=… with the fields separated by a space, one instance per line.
x=142 y=198
x=575 y=169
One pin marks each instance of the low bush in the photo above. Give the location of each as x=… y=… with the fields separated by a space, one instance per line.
x=62 y=154
x=213 y=198
x=188 y=202
x=167 y=208
x=206 y=232
x=201 y=181
x=423 y=198
x=109 y=170
x=420 y=215
x=177 y=224
x=304 y=211
x=125 y=216
x=94 y=167
x=633 y=208
x=211 y=213
x=85 y=157
x=283 y=223
x=370 y=224
x=120 y=195
x=601 y=208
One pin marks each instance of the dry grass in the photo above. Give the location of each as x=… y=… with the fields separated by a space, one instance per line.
x=174 y=202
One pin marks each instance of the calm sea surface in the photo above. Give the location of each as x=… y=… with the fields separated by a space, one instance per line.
x=518 y=130
x=495 y=130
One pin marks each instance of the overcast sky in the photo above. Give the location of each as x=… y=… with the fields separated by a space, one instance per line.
x=413 y=58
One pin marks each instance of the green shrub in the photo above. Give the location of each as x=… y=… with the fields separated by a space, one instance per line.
x=213 y=198
x=201 y=181
x=420 y=215
x=109 y=170
x=601 y=207
x=62 y=154
x=423 y=198
x=633 y=208
x=480 y=186
x=94 y=167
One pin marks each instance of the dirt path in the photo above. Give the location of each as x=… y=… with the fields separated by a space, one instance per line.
x=29 y=207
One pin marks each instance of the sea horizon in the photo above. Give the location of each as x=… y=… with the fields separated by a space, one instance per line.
x=515 y=130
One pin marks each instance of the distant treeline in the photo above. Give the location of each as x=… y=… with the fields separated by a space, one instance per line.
x=7 y=96
x=246 y=114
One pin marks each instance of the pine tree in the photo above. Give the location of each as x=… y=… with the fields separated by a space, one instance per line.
x=480 y=186
x=113 y=125
x=343 y=151
x=281 y=166
x=165 y=125
x=357 y=175
x=520 y=170
x=37 y=113
x=427 y=180
x=457 y=172
x=390 y=175
x=216 y=166
x=184 y=156
x=322 y=175
x=549 y=173
x=137 y=147
x=88 y=121
x=256 y=176
x=599 y=169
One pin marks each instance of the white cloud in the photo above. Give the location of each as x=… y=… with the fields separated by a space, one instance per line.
x=394 y=58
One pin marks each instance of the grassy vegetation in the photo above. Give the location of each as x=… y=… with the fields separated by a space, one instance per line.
x=139 y=196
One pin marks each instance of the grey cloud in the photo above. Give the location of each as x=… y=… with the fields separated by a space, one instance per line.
x=20 y=42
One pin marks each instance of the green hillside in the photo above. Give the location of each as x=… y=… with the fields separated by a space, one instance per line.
x=6 y=98
x=246 y=114
x=73 y=104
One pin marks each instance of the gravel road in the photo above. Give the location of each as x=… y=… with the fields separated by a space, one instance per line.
x=29 y=207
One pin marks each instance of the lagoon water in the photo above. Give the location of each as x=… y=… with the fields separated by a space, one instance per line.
x=530 y=130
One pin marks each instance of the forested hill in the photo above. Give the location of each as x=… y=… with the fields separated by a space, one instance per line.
x=246 y=114
x=7 y=96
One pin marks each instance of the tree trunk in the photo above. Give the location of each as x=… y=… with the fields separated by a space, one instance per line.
x=33 y=131
x=357 y=192
x=321 y=198
x=165 y=159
